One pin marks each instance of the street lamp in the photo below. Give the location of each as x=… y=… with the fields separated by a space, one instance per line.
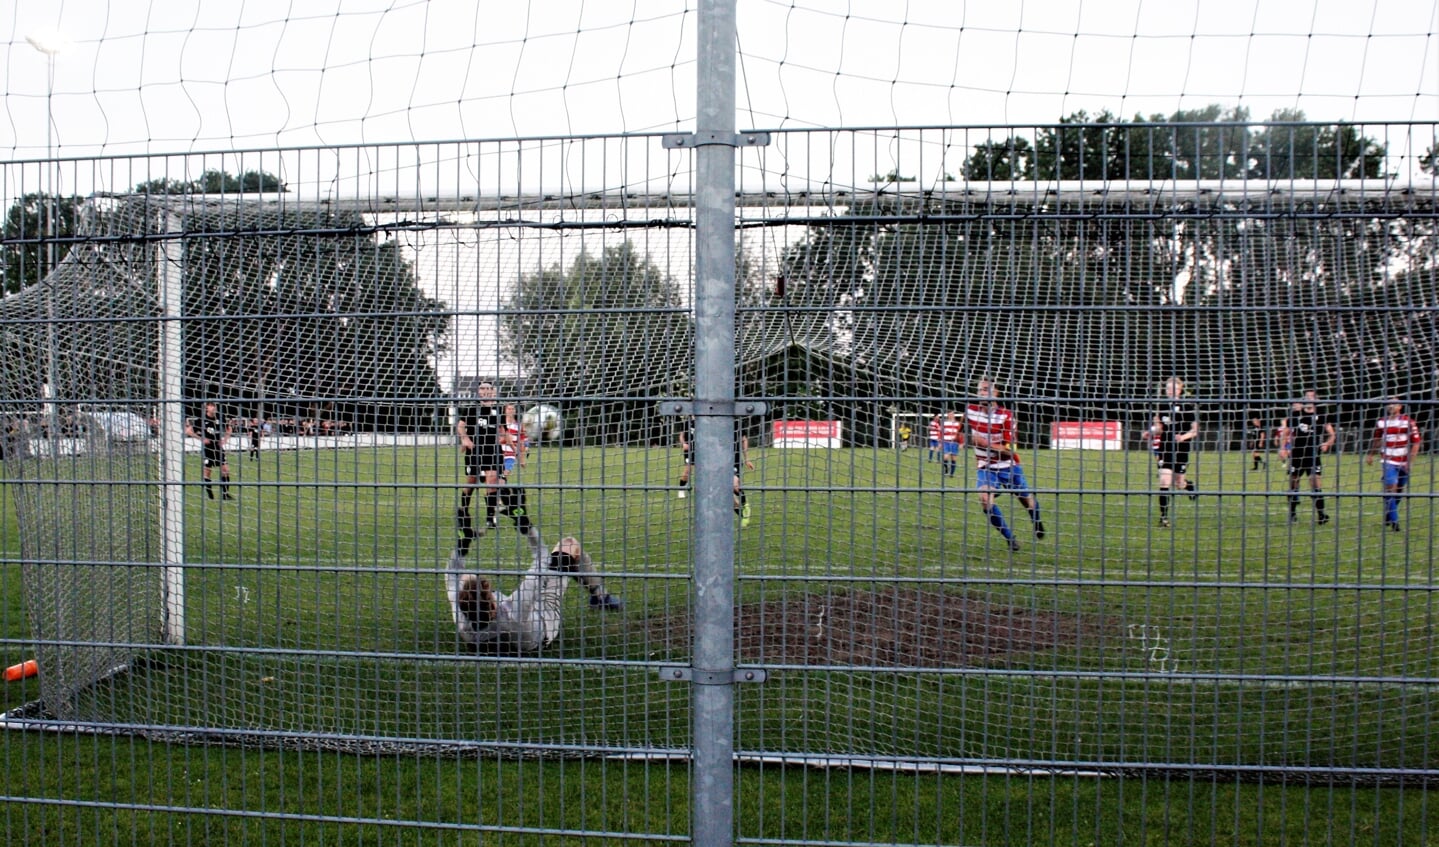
x=50 y=43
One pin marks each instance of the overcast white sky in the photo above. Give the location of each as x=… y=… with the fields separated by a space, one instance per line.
x=166 y=76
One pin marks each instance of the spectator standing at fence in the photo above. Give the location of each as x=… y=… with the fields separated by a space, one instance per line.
x=934 y=429
x=992 y=434
x=1396 y=441
x=481 y=431
x=1256 y=437
x=528 y=618
x=1311 y=436
x=1175 y=425
x=951 y=436
x=213 y=433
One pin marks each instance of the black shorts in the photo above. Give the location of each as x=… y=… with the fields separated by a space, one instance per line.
x=478 y=461
x=1305 y=465
x=213 y=457
x=689 y=456
x=1175 y=462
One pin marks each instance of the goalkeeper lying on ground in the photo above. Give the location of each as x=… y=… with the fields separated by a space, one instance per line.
x=528 y=618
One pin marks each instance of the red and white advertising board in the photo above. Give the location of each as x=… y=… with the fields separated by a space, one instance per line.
x=806 y=433
x=1086 y=435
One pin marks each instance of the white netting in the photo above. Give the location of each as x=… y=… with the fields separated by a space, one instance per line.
x=352 y=333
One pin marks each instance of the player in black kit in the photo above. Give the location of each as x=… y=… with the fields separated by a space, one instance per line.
x=1255 y=437
x=1311 y=435
x=212 y=433
x=1175 y=425
x=482 y=434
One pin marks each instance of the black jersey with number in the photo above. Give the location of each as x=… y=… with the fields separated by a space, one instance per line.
x=1306 y=429
x=212 y=430
x=1177 y=419
x=484 y=425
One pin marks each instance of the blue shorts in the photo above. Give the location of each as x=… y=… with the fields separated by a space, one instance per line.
x=934 y=444
x=509 y=463
x=951 y=448
x=1395 y=476
x=1009 y=479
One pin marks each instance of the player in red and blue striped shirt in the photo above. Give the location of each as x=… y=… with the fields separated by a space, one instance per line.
x=1396 y=441
x=991 y=432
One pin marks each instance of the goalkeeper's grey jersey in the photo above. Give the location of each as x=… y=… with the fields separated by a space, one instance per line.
x=527 y=618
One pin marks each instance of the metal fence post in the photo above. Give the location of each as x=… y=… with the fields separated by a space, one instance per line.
x=712 y=692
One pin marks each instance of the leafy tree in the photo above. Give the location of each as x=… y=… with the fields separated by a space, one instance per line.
x=214 y=182
x=1429 y=162
x=1289 y=148
x=339 y=316
x=166 y=185
x=611 y=325
x=1205 y=143
x=332 y=316
x=1010 y=159
x=34 y=225
x=249 y=182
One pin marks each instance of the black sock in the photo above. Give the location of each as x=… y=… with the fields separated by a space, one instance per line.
x=1164 y=502
x=491 y=500
x=225 y=484
x=1319 y=505
x=210 y=489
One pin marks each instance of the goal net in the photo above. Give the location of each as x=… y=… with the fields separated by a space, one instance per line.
x=289 y=592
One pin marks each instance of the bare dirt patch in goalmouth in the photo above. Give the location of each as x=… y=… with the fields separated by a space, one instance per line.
x=890 y=627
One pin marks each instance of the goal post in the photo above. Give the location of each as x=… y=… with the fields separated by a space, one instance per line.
x=909 y=430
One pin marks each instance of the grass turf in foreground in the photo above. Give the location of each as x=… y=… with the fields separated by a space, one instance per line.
x=1232 y=591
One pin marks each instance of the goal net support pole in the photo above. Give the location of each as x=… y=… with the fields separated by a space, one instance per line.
x=171 y=416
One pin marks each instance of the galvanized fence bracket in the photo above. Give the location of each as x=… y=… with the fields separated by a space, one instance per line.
x=722 y=139
x=685 y=673
x=712 y=408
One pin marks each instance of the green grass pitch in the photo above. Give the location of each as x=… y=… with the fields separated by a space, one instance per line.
x=1236 y=641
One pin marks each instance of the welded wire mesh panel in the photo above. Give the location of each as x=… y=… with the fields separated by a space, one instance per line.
x=232 y=450
x=282 y=589
x=1096 y=477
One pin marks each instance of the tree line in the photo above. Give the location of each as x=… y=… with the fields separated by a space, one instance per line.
x=897 y=297
x=291 y=311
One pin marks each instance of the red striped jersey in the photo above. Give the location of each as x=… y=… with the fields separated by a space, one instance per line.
x=990 y=425
x=949 y=430
x=934 y=429
x=515 y=433
x=1398 y=435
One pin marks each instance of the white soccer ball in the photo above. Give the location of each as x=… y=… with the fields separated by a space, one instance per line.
x=542 y=423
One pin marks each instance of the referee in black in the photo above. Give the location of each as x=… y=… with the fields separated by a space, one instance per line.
x=1311 y=436
x=481 y=430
